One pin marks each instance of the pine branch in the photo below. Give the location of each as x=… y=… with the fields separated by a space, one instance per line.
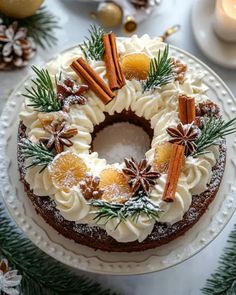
x=37 y=152
x=41 y=26
x=160 y=71
x=41 y=274
x=223 y=281
x=93 y=47
x=212 y=131
x=42 y=96
x=140 y=204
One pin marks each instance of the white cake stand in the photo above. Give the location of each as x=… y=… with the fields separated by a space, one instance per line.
x=85 y=258
x=217 y=50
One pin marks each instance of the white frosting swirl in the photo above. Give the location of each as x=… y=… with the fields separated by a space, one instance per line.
x=198 y=170
x=129 y=230
x=172 y=212
x=124 y=98
x=28 y=115
x=72 y=205
x=40 y=182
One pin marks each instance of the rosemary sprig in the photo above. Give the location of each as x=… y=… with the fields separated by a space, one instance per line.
x=132 y=208
x=37 y=152
x=42 y=97
x=93 y=47
x=212 y=131
x=160 y=71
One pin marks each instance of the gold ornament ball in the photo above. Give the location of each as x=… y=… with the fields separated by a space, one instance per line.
x=110 y=14
x=19 y=8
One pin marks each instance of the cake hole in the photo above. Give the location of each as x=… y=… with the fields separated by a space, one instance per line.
x=121 y=140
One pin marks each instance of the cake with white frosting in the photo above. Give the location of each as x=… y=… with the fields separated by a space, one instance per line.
x=132 y=205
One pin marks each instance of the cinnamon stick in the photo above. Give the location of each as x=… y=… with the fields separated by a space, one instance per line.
x=92 y=78
x=115 y=76
x=187 y=113
x=175 y=165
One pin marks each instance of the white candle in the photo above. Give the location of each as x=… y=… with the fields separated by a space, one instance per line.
x=225 y=19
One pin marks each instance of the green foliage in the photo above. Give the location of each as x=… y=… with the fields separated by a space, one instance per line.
x=93 y=47
x=37 y=152
x=42 y=275
x=160 y=71
x=223 y=281
x=42 y=95
x=40 y=26
x=214 y=129
x=139 y=204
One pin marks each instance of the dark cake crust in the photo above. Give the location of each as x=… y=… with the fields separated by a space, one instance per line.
x=97 y=238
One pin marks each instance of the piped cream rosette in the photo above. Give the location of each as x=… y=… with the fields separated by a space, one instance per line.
x=158 y=106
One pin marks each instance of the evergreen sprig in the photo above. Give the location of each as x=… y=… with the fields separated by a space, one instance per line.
x=37 y=152
x=212 y=131
x=140 y=204
x=93 y=47
x=42 y=95
x=160 y=71
x=40 y=26
x=40 y=273
x=223 y=281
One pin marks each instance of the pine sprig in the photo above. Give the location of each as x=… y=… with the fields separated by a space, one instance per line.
x=41 y=274
x=141 y=204
x=223 y=281
x=93 y=47
x=160 y=71
x=41 y=26
x=42 y=95
x=38 y=153
x=214 y=129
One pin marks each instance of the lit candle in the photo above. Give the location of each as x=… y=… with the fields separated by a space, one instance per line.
x=225 y=19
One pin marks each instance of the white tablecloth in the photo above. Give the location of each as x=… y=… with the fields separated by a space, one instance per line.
x=188 y=277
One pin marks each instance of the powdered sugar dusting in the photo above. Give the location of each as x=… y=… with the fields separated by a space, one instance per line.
x=121 y=140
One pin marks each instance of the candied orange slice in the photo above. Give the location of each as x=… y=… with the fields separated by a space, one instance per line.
x=115 y=186
x=67 y=170
x=162 y=157
x=47 y=118
x=135 y=66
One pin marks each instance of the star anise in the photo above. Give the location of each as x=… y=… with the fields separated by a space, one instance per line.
x=59 y=137
x=207 y=108
x=140 y=174
x=69 y=93
x=90 y=187
x=185 y=135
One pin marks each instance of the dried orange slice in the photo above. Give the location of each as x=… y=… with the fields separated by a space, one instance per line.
x=162 y=157
x=135 y=66
x=115 y=186
x=67 y=170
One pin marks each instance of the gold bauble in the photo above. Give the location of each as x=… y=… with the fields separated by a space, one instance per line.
x=19 y=8
x=110 y=14
x=129 y=25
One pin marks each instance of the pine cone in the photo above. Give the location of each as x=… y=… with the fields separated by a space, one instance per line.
x=90 y=187
x=16 y=49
